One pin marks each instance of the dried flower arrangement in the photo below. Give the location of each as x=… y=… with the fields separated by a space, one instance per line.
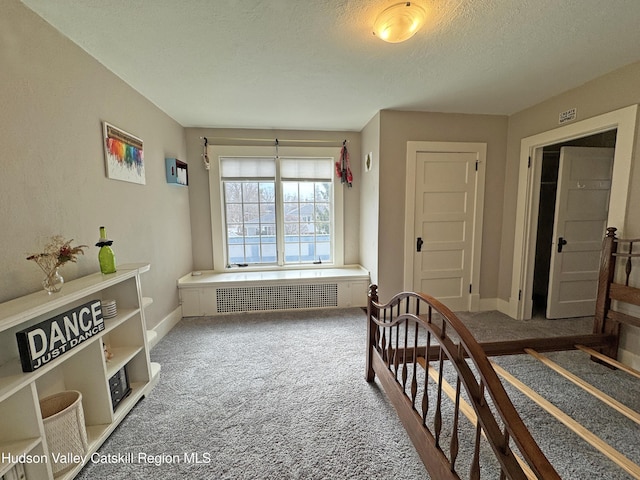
x=56 y=253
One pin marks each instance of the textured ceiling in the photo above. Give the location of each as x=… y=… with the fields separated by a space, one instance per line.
x=314 y=64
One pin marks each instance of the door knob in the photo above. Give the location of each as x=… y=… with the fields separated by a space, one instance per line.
x=419 y=243
x=561 y=243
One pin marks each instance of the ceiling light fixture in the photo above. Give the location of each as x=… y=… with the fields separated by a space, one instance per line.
x=399 y=22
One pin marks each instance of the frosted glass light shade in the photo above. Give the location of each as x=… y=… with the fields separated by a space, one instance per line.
x=399 y=22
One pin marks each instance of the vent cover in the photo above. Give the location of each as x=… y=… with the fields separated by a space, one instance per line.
x=276 y=297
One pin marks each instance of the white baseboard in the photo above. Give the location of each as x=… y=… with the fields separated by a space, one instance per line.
x=164 y=326
x=630 y=359
x=507 y=307
x=487 y=304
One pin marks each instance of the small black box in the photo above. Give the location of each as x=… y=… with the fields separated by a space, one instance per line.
x=119 y=386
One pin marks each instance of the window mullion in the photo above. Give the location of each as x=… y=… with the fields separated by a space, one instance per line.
x=280 y=232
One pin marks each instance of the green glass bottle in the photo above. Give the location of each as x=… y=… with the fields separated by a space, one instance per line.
x=106 y=257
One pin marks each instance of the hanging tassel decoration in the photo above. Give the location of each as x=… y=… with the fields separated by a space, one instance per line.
x=343 y=167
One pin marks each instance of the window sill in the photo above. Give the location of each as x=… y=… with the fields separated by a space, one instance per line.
x=300 y=275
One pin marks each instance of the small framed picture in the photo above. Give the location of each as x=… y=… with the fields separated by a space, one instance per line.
x=123 y=155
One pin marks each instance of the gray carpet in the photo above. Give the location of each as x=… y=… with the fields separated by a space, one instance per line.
x=282 y=396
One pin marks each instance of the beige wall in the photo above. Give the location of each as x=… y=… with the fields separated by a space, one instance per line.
x=52 y=101
x=610 y=92
x=396 y=128
x=370 y=199
x=199 y=184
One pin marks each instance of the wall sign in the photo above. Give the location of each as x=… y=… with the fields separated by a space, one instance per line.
x=567 y=116
x=41 y=343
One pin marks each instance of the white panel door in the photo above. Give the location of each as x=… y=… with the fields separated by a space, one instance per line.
x=582 y=205
x=445 y=196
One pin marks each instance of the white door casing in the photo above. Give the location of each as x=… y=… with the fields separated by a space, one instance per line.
x=444 y=204
x=520 y=302
x=580 y=222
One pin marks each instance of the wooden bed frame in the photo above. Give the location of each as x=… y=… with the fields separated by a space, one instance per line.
x=420 y=351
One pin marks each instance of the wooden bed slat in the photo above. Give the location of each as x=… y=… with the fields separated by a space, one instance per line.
x=609 y=361
x=623 y=462
x=599 y=394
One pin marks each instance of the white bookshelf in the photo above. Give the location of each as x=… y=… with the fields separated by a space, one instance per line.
x=83 y=368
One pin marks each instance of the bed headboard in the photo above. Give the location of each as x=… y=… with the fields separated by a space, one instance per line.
x=615 y=294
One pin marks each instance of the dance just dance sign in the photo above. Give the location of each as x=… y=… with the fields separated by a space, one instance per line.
x=41 y=343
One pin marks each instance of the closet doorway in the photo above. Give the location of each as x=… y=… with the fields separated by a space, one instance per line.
x=569 y=233
x=623 y=122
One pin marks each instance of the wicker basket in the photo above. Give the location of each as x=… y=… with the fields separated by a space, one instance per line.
x=64 y=428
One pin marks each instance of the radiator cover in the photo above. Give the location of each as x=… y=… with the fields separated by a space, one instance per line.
x=276 y=297
x=212 y=293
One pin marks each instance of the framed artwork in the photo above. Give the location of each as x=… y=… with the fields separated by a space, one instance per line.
x=123 y=155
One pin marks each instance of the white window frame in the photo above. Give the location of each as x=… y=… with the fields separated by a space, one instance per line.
x=216 y=196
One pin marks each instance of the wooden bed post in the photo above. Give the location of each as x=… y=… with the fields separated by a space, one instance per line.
x=372 y=311
x=607 y=269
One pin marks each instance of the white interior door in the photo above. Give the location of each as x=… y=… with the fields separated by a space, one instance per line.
x=582 y=204
x=445 y=208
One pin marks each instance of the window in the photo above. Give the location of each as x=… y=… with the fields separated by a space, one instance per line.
x=277 y=211
x=307 y=221
x=250 y=221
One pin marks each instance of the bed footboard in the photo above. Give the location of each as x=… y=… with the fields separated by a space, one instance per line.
x=421 y=352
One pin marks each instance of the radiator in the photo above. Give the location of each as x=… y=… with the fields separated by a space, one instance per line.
x=218 y=293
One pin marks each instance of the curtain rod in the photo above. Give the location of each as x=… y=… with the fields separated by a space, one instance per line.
x=270 y=141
